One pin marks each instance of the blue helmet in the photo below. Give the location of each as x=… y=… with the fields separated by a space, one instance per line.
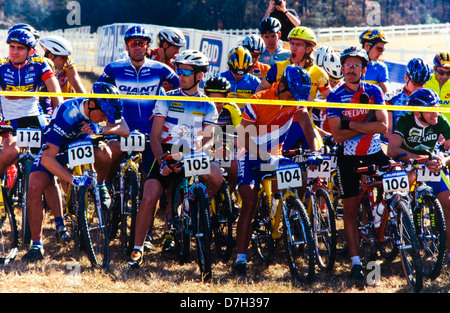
x=423 y=98
x=112 y=107
x=22 y=36
x=418 y=71
x=27 y=27
x=137 y=32
x=298 y=81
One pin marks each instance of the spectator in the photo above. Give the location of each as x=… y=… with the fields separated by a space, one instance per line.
x=287 y=17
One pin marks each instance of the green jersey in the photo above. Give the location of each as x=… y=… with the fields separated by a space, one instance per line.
x=418 y=138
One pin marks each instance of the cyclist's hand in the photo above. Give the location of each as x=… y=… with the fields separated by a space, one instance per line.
x=435 y=165
x=167 y=169
x=83 y=181
x=92 y=128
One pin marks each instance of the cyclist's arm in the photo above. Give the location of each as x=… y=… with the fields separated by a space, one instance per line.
x=155 y=137
x=120 y=129
x=395 y=148
x=379 y=126
x=263 y=85
x=384 y=86
x=208 y=138
x=75 y=80
x=49 y=161
x=339 y=134
x=305 y=123
x=53 y=86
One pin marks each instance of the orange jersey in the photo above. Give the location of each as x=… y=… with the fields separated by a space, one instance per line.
x=260 y=70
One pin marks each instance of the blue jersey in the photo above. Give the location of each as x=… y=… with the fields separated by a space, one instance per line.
x=26 y=78
x=377 y=72
x=397 y=97
x=148 y=80
x=244 y=88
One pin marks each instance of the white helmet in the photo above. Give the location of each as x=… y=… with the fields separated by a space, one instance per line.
x=254 y=43
x=56 y=45
x=172 y=36
x=193 y=58
x=332 y=65
x=320 y=53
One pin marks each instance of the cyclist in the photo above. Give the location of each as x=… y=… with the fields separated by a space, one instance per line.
x=229 y=115
x=22 y=72
x=357 y=131
x=73 y=120
x=256 y=45
x=178 y=126
x=439 y=80
x=243 y=84
x=416 y=135
x=373 y=41
x=417 y=74
x=58 y=50
x=270 y=30
x=272 y=123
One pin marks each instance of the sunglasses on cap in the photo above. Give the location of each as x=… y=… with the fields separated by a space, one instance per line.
x=137 y=43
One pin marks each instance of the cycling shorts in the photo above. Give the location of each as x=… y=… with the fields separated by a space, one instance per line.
x=249 y=172
x=27 y=122
x=442 y=185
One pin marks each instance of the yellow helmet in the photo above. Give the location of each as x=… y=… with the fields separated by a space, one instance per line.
x=303 y=33
x=239 y=60
x=442 y=59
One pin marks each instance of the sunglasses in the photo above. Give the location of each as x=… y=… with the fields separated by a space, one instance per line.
x=137 y=43
x=380 y=49
x=184 y=72
x=442 y=72
x=352 y=66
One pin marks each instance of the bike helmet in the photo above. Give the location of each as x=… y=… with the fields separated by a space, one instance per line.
x=172 y=36
x=137 y=32
x=239 y=60
x=298 y=81
x=56 y=45
x=424 y=98
x=303 y=33
x=217 y=84
x=22 y=36
x=332 y=65
x=373 y=35
x=269 y=25
x=320 y=53
x=254 y=43
x=355 y=52
x=26 y=27
x=442 y=59
x=112 y=107
x=418 y=71
x=194 y=58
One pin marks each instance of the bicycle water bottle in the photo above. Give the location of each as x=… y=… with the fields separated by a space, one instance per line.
x=186 y=206
x=377 y=213
x=11 y=175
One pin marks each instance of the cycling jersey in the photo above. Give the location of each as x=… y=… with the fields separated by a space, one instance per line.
x=399 y=97
x=259 y=70
x=377 y=72
x=61 y=75
x=230 y=115
x=279 y=55
x=154 y=55
x=444 y=92
x=362 y=144
x=244 y=88
x=148 y=80
x=24 y=78
x=185 y=120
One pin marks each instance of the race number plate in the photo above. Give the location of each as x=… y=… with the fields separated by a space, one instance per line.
x=134 y=142
x=425 y=175
x=196 y=163
x=28 y=138
x=81 y=152
x=289 y=176
x=324 y=169
x=396 y=182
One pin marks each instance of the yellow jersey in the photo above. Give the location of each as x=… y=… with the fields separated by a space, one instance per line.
x=444 y=92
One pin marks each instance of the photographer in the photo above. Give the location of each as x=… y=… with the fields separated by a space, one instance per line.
x=287 y=17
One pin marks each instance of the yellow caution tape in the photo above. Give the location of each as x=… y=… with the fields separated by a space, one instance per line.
x=318 y=104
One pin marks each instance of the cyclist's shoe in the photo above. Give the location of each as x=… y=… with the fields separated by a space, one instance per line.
x=357 y=272
x=148 y=243
x=34 y=254
x=105 y=198
x=63 y=234
x=168 y=242
x=136 y=259
x=240 y=269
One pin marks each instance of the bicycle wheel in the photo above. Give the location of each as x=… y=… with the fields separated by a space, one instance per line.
x=9 y=236
x=130 y=207
x=262 y=241
x=22 y=191
x=94 y=234
x=299 y=241
x=114 y=214
x=409 y=247
x=222 y=223
x=181 y=225
x=201 y=225
x=430 y=227
x=367 y=235
x=324 y=229
x=387 y=246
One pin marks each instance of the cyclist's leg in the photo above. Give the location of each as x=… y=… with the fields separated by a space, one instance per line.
x=9 y=153
x=213 y=180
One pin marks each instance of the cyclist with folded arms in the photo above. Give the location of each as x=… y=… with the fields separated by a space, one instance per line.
x=440 y=79
x=272 y=123
x=178 y=126
x=73 y=120
x=357 y=132
x=270 y=30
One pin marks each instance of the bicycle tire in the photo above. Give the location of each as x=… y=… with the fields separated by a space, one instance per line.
x=222 y=223
x=367 y=235
x=409 y=251
x=9 y=235
x=201 y=224
x=299 y=241
x=181 y=225
x=26 y=232
x=131 y=203
x=388 y=247
x=262 y=241
x=114 y=215
x=431 y=233
x=324 y=229
x=94 y=235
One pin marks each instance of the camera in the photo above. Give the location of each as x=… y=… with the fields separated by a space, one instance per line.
x=277 y=2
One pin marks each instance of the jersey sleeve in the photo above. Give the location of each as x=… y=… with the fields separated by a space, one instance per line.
x=108 y=76
x=161 y=108
x=332 y=112
x=402 y=126
x=383 y=74
x=170 y=76
x=211 y=115
x=272 y=73
x=235 y=113
x=444 y=126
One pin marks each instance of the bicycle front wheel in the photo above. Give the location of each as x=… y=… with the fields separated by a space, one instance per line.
x=93 y=229
x=181 y=225
x=130 y=208
x=299 y=240
x=9 y=236
x=262 y=241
